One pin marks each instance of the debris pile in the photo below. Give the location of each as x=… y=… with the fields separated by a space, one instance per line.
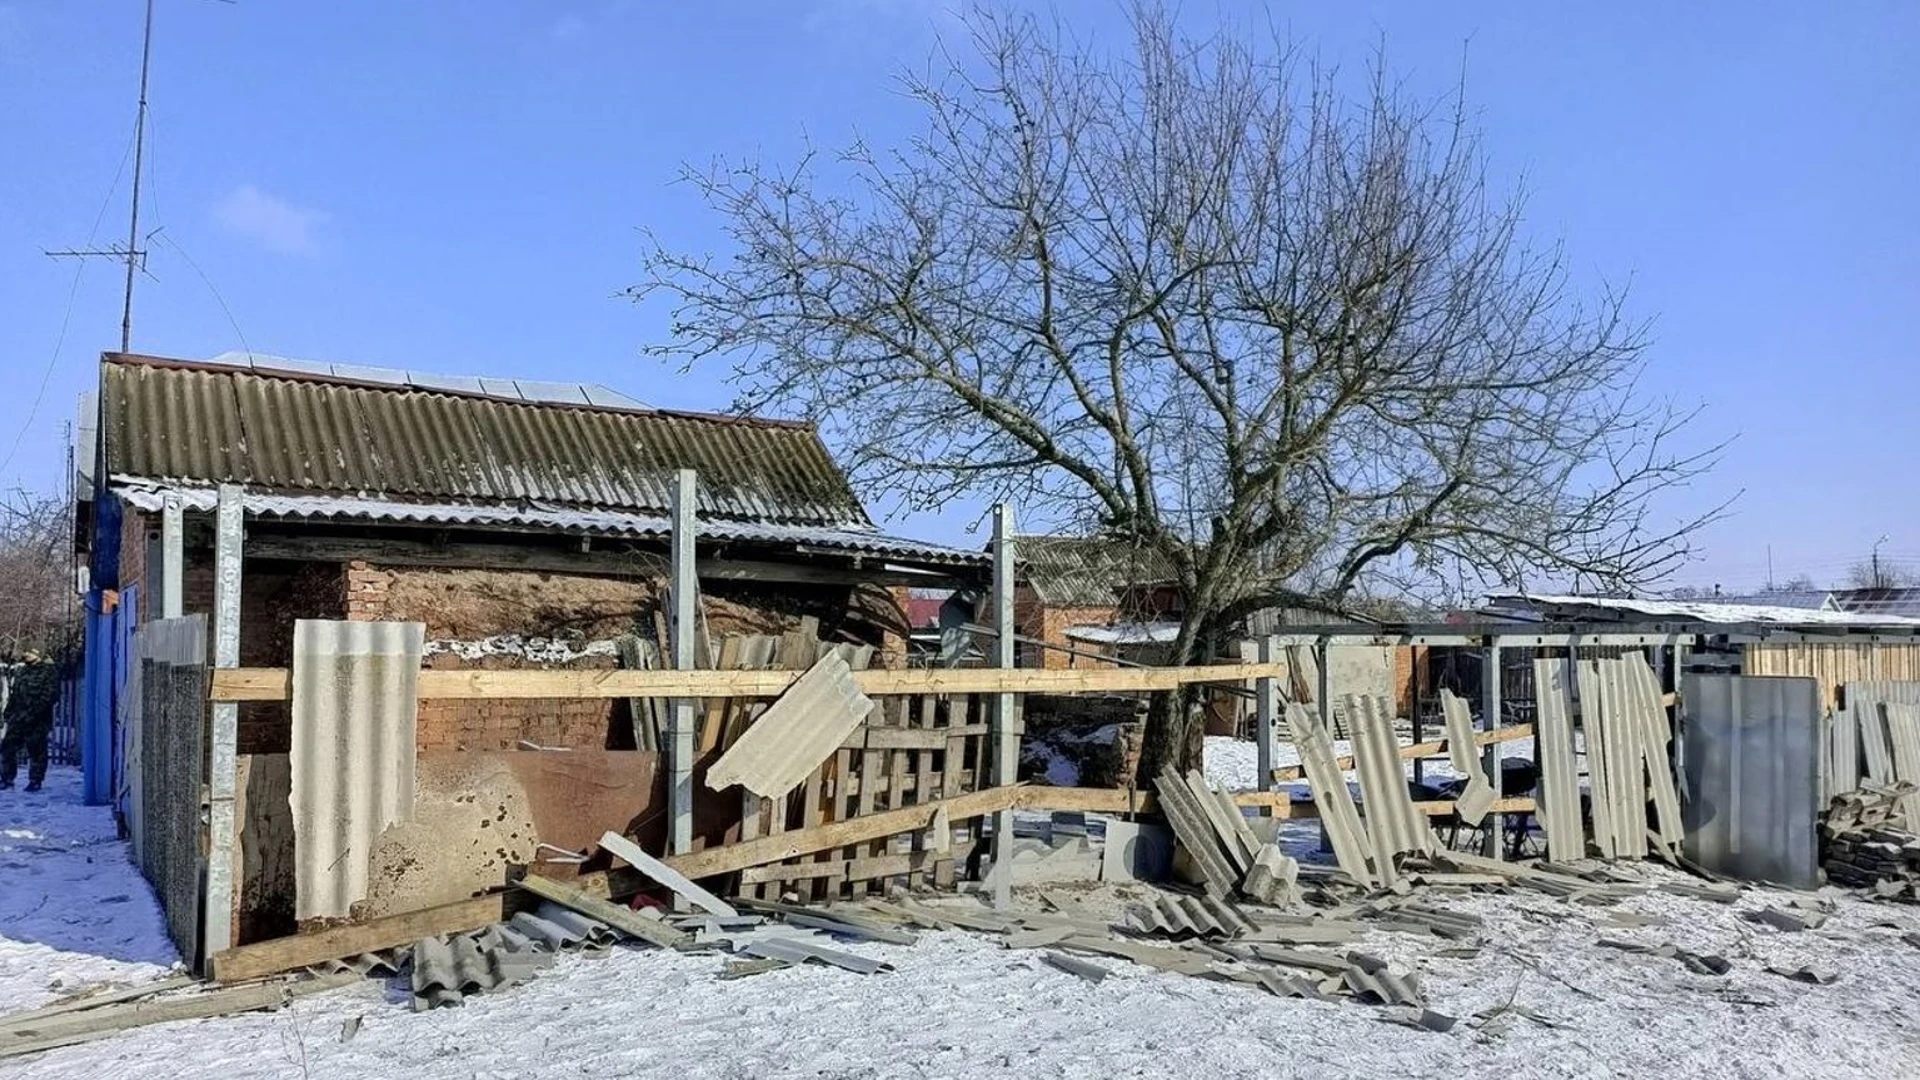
x=1864 y=846
x=1227 y=856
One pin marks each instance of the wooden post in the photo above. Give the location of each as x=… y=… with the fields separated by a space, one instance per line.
x=172 y=558
x=1006 y=735
x=680 y=721
x=1267 y=705
x=223 y=761
x=1324 y=692
x=1490 y=760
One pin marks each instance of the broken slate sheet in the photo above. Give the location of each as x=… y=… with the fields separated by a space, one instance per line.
x=798 y=731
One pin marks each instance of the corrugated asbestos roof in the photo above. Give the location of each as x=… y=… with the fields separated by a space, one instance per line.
x=313 y=433
x=1086 y=571
x=150 y=497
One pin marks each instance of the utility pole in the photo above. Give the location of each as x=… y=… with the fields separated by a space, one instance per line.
x=131 y=254
x=1878 y=581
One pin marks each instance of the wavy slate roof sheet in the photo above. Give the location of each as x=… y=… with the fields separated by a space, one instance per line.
x=324 y=433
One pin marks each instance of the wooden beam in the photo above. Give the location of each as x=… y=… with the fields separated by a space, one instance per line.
x=90 y=1024
x=1425 y=749
x=245 y=962
x=274 y=684
x=626 y=561
x=393 y=931
x=627 y=921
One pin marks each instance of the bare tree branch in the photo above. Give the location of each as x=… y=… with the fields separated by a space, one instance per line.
x=1195 y=297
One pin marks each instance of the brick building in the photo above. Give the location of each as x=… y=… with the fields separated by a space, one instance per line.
x=1069 y=583
x=525 y=524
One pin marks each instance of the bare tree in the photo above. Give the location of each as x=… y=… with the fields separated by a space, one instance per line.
x=36 y=546
x=1876 y=573
x=1194 y=297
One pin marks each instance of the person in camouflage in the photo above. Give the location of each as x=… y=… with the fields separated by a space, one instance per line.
x=29 y=719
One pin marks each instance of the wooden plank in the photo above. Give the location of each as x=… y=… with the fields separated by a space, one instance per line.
x=95 y=999
x=625 y=920
x=953 y=759
x=107 y=1020
x=273 y=684
x=724 y=860
x=714 y=722
x=1419 y=750
x=390 y=932
x=908 y=738
x=922 y=770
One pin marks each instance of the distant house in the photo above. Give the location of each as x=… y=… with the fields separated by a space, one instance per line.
x=1090 y=594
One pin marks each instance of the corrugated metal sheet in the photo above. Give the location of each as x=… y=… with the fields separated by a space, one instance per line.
x=1393 y=825
x=802 y=728
x=354 y=709
x=1750 y=757
x=1464 y=752
x=1086 y=571
x=212 y=424
x=1330 y=793
x=1559 y=774
x=147 y=496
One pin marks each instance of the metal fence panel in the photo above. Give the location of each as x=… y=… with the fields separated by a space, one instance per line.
x=1752 y=762
x=354 y=711
x=170 y=833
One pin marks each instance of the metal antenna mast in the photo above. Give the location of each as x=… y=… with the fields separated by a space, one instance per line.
x=133 y=217
x=131 y=254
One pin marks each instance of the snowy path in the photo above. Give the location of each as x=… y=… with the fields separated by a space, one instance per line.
x=74 y=910
x=958 y=1005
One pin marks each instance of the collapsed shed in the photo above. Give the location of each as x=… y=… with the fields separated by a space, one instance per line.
x=515 y=526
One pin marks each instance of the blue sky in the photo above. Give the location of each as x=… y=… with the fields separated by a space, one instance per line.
x=460 y=188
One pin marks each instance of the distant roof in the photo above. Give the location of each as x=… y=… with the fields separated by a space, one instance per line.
x=531 y=390
x=1583 y=608
x=1808 y=599
x=306 y=432
x=1152 y=633
x=1891 y=601
x=1086 y=571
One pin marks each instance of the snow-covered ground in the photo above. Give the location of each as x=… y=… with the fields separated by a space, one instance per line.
x=74 y=910
x=960 y=1005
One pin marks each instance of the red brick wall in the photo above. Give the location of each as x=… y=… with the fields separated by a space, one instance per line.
x=1037 y=620
x=475 y=605
x=133 y=555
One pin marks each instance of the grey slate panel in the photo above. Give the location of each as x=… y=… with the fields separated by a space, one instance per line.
x=1752 y=772
x=1330 y=793
x=1559 y=775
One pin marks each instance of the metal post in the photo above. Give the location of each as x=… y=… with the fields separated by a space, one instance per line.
x=1490 y=758
x=1266 y=692
x=172 y=558
x=680 y=721
x=223 y=741
x=1006 y=723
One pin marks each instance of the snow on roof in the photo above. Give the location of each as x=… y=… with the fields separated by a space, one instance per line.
x=1154 y=633
x=1706 y=611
